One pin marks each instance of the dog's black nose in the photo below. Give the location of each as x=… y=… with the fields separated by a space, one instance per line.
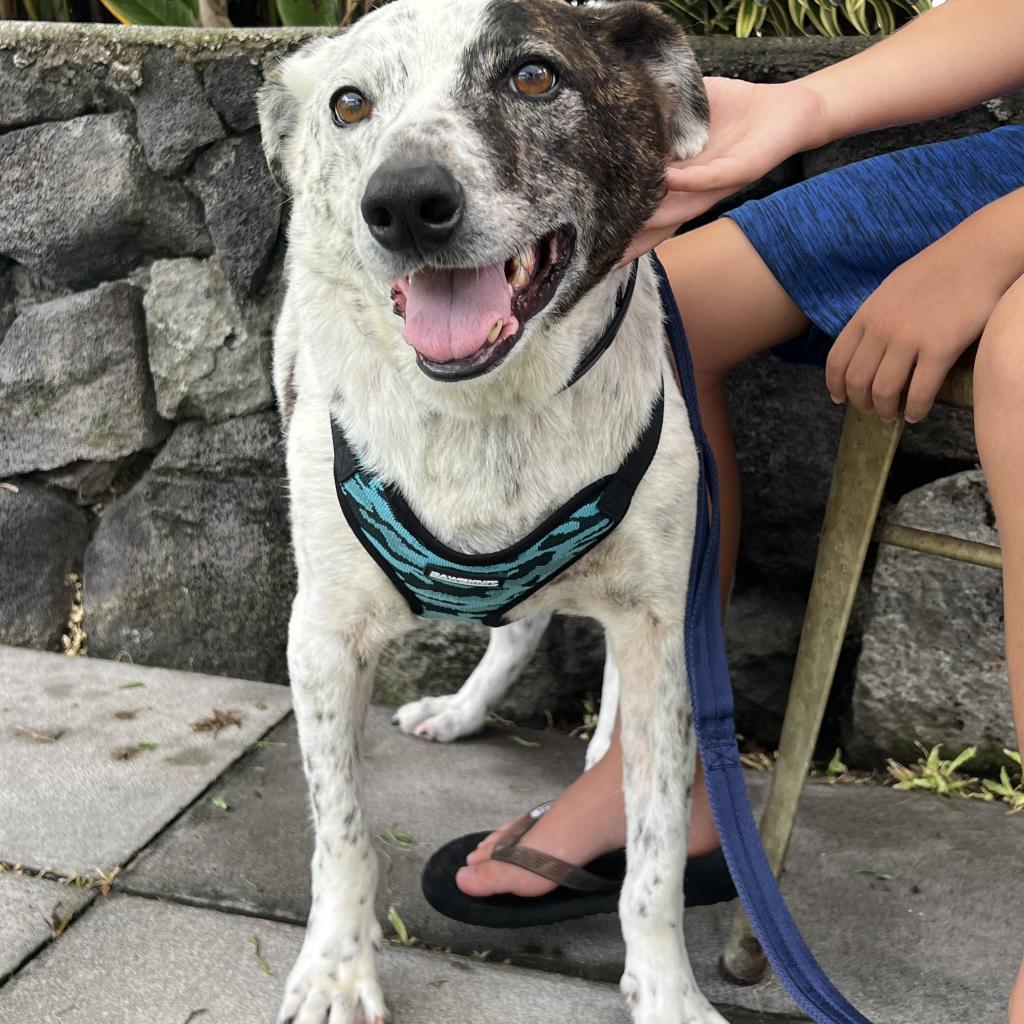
x=412 y=207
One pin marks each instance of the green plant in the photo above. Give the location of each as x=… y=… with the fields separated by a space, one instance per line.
x=742 y=18
x=745 y=18
x=1004 y=789
x=936 y=775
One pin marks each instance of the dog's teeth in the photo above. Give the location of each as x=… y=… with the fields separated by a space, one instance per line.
x=511 y=290
x=520 y=278
x=495 y=331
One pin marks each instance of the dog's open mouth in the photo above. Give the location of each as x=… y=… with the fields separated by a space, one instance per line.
x=463 y=323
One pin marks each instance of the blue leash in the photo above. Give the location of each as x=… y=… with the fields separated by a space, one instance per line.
x=711 y=693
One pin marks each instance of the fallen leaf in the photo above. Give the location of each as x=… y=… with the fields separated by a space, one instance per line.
x=39 y=737
x=263 y=965
x=522 y=742
x=217 y=721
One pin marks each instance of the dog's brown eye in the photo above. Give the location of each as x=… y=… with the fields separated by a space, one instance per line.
x=349 y=106
x=534 y=79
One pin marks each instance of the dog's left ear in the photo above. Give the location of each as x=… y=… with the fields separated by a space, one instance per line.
x=287 y=88
x=650 y=36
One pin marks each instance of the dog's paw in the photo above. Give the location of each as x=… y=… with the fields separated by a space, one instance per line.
x=322 y=990
x=667 y=998
x=441 y=719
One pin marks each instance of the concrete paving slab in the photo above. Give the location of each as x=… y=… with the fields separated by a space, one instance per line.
x=97 y=756
x=130 y=959
x=30 y=910
x=938 y=940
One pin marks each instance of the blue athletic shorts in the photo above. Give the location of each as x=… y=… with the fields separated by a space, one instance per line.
x=830 y=241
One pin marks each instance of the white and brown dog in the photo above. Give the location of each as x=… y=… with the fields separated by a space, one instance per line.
x=465 y=176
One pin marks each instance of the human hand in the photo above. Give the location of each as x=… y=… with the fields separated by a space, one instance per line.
x=754 y=127
x=912 y=328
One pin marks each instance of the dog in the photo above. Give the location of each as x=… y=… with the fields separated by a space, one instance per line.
x=445 y=159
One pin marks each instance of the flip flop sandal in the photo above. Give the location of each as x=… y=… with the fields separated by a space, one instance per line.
x=593 y=889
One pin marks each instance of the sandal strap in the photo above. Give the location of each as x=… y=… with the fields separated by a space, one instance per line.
x=508 y=851
x=559 y=871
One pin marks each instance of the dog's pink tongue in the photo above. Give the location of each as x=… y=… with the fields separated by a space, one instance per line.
x=449 y=313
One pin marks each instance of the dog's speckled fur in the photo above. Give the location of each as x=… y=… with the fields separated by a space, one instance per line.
x=483 y=461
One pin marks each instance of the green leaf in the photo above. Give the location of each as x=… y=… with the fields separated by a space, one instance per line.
x=396 y=922
x=131 y=686
x=147 y=746
x=261 y=963
x=394 y=837
x=962 y=758
x=309 y=12
x=836 y=766
x=220 y=803
x=180 y=13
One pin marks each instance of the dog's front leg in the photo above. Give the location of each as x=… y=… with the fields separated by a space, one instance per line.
x=334 y=980
x=658 y=763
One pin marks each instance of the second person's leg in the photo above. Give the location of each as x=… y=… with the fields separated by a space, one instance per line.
x=732 y=308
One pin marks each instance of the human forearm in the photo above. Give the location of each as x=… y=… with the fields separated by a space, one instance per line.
x=945 y=60
x=989 y=245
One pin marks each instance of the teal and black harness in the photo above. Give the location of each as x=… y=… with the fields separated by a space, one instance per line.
x=440 y=583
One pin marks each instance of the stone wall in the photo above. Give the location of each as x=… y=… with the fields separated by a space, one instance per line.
x=140 y=259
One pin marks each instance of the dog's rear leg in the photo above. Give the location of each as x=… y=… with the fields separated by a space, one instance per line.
x=658 y=769
x=459 y=714
x=334 y=980
x=602 y=738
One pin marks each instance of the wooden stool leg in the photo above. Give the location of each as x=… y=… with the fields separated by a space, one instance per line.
x=866 y=451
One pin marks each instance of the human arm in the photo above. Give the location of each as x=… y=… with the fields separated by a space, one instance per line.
x=944 y=60
x=923 y=316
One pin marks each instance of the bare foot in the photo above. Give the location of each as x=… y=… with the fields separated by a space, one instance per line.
x=587 y=820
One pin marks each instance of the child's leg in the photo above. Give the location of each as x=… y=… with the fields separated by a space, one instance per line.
x=732 y=308
x=999 y=424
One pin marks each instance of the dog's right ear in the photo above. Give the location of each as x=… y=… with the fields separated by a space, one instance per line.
x=653 y=38
x=286 y=91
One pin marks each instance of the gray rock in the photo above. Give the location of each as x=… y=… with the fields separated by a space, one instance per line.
x=74 y=383
x=87 y=481
x=861 y=147
x=762 y=631
x=933 y=666
x=944 y=433
x=7 y=300
x=32 y=95
x=1008 y=109
x=79 y=204
x=193 y=568
x=174 y=118
x=787 y=431
x=243 y=209
x=208 y=359
x=42 y=539
x=231 y=84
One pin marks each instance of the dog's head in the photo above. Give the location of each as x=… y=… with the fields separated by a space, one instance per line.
x=480 y=164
